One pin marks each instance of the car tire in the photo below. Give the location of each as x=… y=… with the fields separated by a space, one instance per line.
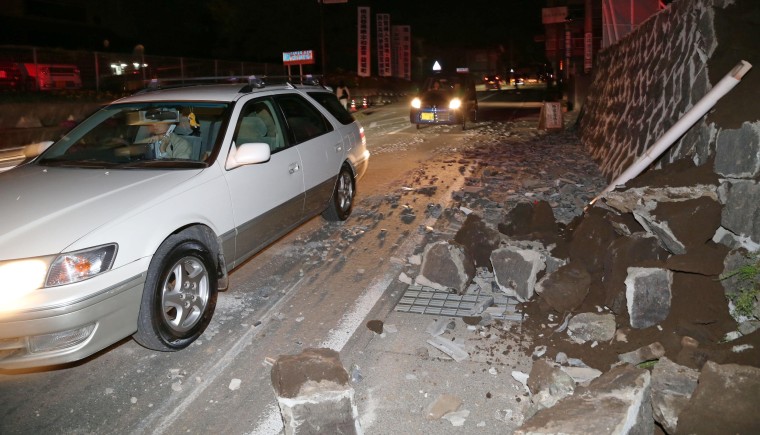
x=342 y=201
x=180 y=293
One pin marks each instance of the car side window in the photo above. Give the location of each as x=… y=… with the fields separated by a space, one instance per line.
x=304 y=120
x=330 y=102
x=258 y=123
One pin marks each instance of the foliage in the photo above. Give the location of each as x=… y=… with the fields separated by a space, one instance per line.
x=746 y=297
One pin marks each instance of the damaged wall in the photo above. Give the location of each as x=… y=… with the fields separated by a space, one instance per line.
x=645 y=83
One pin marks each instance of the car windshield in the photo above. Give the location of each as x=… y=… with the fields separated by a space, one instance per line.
x=142 y=135
x=443 y=83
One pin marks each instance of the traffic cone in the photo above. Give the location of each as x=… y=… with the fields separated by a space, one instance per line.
x=364 y=102
x=353 y=105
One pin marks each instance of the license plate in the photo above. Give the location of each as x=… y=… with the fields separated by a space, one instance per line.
x=427 y=116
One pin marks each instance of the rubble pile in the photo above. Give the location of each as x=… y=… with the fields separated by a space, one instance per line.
x=625 y=298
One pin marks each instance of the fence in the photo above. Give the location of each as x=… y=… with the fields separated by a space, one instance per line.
x=107 y=71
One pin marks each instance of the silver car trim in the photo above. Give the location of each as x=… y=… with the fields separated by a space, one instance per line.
x=123 y=286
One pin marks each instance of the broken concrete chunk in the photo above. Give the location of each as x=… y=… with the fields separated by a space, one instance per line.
x=645 y=353
x=661 y=230
x=648 y=294
x=617 y=402
x=457 y=418
x=481 y=305
x=478 y=239
x=725 y=401
x=443 y=404
x=446 y=265
x=591 y=327
x=741 y=212
x=450 y=348
x=582 y=375
x=516 y=270
x=672 y=387
x=565 y=289
x=438 y=326
x=313 y=390
x=549 y=384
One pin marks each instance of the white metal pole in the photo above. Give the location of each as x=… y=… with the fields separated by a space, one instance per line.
x=679 y=128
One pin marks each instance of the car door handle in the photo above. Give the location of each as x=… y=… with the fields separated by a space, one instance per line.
x=293 y=168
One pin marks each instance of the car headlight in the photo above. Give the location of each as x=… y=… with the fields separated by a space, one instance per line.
x=80 y=265
x=455 y=103
x=20 y=277
x=416 y=103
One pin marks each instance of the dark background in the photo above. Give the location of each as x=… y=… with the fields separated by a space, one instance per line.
x=261 y=30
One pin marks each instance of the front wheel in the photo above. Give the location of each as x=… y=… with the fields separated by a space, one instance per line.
x=342 y=200
x=179 y=296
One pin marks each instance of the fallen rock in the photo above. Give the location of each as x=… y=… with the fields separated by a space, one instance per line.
x=516 y=270
x=648 y=294
x=590 y=240
x=585 y=327
x=618 y=402
x=548 y=384
x=646 y=353
x=725 y=401
x=672 y=387
x=313 y=391
x=637 y=250
x=446 y=265
x=478 y=239
x=565 y=289
x=741 y=211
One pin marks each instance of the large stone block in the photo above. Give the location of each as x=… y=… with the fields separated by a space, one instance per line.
x=648 y=294
x=516 y=271
x=565 y=289
x=478 y=239
x=724 y=402
x=446 y=266
x=618 y=402
x=737 y=152
x=314 y=394
x=672 y=386
x=638 y=250
x=741 y=210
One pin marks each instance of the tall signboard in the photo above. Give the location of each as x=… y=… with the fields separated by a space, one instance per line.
x=383 y=25
x=363 y=42
x=401 y=40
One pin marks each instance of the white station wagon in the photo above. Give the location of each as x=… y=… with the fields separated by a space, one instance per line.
x=130 y=223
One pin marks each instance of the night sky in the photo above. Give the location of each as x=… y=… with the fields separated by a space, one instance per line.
x=260 y=31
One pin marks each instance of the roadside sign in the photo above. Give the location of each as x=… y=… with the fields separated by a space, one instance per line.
x=550 y=117
x=303 y=57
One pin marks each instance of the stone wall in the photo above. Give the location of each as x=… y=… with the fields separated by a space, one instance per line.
x=644 y=84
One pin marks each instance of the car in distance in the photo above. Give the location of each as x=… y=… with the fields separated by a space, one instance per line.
x=125 y=227
x=445 y=98
x=492 y=82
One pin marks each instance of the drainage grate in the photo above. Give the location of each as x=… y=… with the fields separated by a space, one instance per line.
x=427 y=300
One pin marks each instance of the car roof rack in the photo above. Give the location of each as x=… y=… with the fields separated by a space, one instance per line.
x=250 y=82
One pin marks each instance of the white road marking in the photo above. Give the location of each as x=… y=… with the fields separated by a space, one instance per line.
x=350 y=322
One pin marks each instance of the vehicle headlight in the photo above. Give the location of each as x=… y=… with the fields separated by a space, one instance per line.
x=416 y=103
x=455 y=103
x=80 y=265
x=20 y=277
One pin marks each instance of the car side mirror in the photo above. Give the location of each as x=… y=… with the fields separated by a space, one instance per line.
x=248 y=154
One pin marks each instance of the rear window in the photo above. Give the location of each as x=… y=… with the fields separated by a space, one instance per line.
x=330 y=102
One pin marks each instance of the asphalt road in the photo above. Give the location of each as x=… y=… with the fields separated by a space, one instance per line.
x=314 y=288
